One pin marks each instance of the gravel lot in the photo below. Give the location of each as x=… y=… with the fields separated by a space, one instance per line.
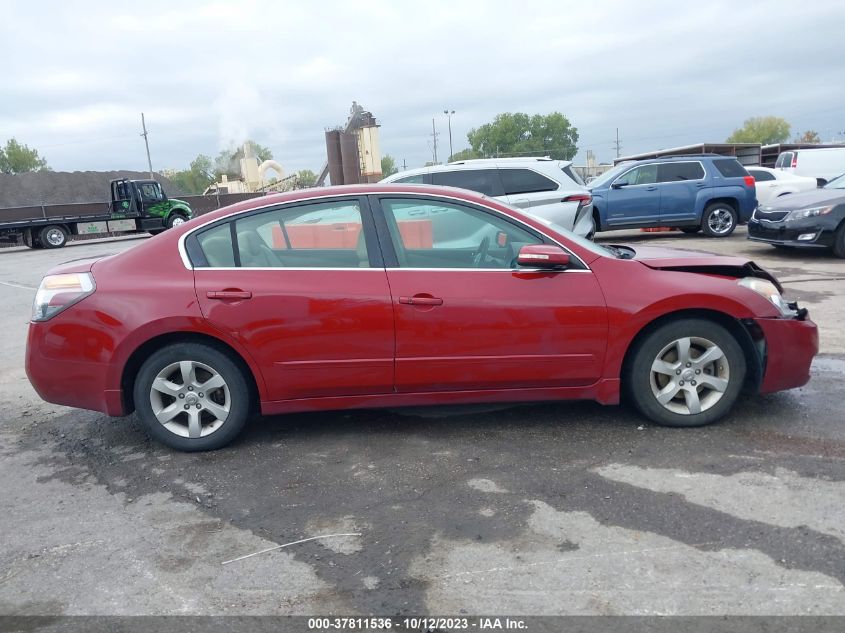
x=567 y=508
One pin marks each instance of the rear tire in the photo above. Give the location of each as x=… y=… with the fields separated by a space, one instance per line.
x=719 y=220
x=192 y=397
x=839 y=242
x=687 y=372
x=53 y=236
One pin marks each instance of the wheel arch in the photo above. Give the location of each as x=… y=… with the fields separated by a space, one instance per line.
x=732 y=202
x=145 y=350
x=746 y=332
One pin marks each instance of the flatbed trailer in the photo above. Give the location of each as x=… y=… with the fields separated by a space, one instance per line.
x=136 y=206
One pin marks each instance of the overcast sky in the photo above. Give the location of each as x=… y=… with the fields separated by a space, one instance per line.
x=77 y=75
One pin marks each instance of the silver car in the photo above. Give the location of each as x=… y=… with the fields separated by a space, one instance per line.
x=546 y=188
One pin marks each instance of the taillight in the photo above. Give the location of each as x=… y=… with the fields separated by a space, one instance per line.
x=749 y=181
x=582 y=198
x=795 y=160
x=59 y=292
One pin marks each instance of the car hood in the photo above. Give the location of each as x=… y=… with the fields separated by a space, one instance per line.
x=804 y=199
x=703 y=263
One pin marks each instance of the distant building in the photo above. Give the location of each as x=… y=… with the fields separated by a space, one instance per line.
x=67 y=187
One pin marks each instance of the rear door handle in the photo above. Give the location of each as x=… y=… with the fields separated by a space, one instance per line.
x=418 y=300
x=229 y=295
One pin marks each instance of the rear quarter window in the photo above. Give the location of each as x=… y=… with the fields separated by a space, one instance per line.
x=484 y=181
x=730 y=168
x=517 y=181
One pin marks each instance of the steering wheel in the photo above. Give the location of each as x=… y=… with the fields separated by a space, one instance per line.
x=481 y=254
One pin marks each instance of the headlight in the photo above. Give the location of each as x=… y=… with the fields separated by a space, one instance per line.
x=59 y=292
x=812 y=212
x=768 y=290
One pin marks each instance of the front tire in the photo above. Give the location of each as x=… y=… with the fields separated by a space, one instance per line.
x=192 y=397
x=687 y=372
x=839 y=242
x=719 y=220
x=176 y=219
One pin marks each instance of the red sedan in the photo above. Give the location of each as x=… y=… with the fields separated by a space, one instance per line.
x=397 y=295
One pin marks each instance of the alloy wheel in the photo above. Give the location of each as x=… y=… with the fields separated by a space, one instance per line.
x=720 y=221
x=689 y=375
x=190 y=399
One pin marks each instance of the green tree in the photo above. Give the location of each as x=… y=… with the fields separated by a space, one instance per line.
x=761 y=129
x=810 y=136
x=465 y=154
x=17 y=158
x=196 y=178
x=229 y=162
x=518 y=134
x=305 y=178
x=388 y=166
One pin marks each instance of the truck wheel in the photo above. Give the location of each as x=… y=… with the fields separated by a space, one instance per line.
x=839 y=242
x=192 y=397
x=687 y=372
x=176 y=219
x=719 y=220
x=53 y=236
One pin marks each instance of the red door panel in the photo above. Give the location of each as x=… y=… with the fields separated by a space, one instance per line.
x=469 y=329
x=312 y=332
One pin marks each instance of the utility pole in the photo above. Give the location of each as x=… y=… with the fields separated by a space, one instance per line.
x=434 y=135
x=147 y=143
x=404 y=166
x=449 y=114
x=618 y=146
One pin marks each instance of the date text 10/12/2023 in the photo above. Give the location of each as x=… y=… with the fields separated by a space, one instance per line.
x=415 y=623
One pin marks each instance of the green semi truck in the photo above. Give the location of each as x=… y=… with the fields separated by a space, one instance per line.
x=136 y=206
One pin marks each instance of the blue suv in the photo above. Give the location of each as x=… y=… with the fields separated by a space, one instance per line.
x=704 y=192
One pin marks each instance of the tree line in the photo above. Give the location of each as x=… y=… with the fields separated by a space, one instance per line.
x=508 y=134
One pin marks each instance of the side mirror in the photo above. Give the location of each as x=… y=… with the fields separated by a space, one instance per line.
x=619 y=184
x=543 y=256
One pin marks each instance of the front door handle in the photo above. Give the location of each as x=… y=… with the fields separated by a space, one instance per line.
x=651 y=188
x=421 y=300
x=229 y=295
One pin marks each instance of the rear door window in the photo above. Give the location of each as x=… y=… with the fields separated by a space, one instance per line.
x=517 y=181
x=484 y=181
x=679 y=172
x=730 y=168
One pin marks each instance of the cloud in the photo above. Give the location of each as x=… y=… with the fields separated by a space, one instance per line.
x=207 y=75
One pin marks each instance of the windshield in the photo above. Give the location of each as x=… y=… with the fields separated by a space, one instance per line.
x=609 y=174
x=836 y=183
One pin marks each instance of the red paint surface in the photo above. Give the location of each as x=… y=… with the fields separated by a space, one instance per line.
x=328 y=339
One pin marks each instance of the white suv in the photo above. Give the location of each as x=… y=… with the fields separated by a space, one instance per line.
x=546 y=188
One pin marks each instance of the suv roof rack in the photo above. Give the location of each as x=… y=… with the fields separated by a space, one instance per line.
x=500 y=158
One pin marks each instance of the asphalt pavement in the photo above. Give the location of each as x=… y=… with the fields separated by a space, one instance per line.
x=565 y=508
